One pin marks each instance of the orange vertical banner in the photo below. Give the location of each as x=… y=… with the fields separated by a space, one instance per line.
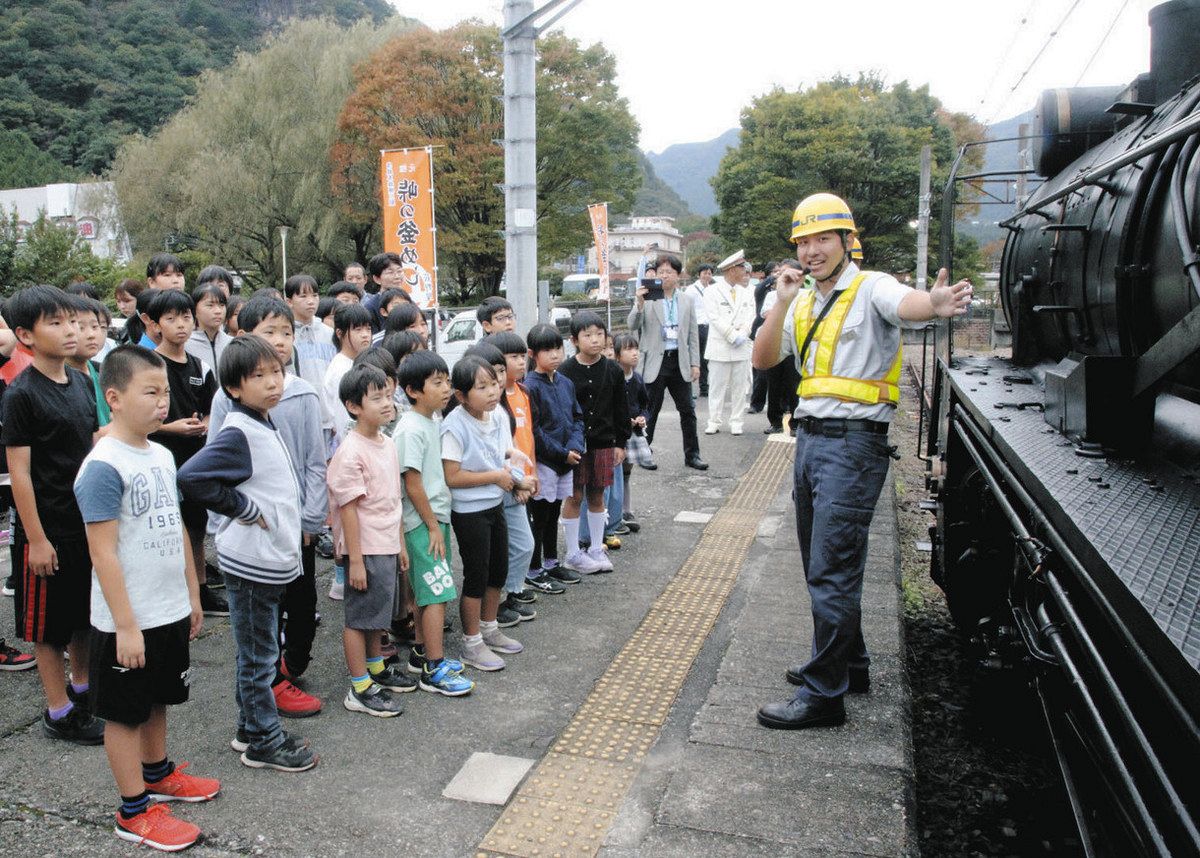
x=409 y=227
x=599 y=216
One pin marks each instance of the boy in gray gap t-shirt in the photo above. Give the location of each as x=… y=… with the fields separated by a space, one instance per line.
x=145 y=601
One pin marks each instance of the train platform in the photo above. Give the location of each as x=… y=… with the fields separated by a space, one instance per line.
x=627 y=728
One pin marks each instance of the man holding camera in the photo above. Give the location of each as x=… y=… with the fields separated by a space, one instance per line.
x=669 y=342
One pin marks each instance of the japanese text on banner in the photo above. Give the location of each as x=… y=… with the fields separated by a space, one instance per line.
x=599 y=215
x=409 y=228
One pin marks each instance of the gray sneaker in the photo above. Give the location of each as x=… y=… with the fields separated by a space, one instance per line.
x=524 y=612
x=481 y=657
x=599 y=555
x=500 y=642
x=583 y=563
x=375 y=700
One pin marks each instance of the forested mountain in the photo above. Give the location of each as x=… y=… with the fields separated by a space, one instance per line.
x=656 y=197
x=78 y=75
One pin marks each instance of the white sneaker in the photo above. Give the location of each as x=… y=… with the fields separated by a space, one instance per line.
x=500 y=642
x=337 y=591
x=712 y=429
x=481 y=657
x=735 y=430
x=583 y=563
x=599 y=555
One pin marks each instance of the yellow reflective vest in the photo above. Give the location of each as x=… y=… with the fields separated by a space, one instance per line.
x=822 y=381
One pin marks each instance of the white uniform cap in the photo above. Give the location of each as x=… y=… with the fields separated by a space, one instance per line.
x=736 y=259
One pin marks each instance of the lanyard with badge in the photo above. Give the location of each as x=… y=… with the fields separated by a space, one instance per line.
x=670 y=328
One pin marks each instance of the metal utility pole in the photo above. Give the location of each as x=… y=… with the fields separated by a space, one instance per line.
x=923 y=219
x=520 y=151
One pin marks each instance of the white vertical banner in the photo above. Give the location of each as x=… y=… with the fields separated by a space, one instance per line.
x=599 y=215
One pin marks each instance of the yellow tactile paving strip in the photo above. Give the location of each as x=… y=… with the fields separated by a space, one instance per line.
x=568 y=802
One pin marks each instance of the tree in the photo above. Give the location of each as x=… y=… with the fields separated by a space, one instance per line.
x=78 y=76
x=249 y=154
x=51 y=253
x=858 y=139
x=443 y=89
x=23 y=165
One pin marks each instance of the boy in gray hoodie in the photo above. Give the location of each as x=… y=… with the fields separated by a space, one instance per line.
x=297 y=417
x=245 y=473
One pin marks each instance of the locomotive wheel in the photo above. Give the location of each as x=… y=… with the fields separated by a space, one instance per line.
x=974 y=554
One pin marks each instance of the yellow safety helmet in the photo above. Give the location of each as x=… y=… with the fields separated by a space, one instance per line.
x=856 y=253
x=821 y=213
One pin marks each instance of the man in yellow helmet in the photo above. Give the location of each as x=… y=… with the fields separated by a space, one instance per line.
x=844 y=336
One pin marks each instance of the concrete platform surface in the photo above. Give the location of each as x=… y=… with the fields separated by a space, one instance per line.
x=713 y=782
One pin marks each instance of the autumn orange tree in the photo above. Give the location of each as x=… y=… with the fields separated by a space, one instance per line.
x=443 y=89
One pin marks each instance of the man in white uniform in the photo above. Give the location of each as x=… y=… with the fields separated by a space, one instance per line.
x=730 y=309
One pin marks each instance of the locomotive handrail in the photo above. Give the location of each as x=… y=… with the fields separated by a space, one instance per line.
x=1183 y=128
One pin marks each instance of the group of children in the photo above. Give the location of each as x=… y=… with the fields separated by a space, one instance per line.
x=260 y=436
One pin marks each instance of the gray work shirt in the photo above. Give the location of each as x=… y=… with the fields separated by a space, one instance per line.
x=866 y=348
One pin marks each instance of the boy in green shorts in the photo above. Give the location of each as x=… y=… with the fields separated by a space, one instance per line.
x=426 y=383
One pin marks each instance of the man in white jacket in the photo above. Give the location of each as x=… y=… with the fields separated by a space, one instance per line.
x=729 y=304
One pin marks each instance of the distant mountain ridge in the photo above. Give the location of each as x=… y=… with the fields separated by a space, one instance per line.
x=688 y=167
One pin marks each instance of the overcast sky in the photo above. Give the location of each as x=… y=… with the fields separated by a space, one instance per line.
x=688 y=67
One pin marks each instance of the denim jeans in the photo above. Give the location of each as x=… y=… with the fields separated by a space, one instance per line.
x=614 y=501
x=520 y=545
x=837 y=484
x=254 y=610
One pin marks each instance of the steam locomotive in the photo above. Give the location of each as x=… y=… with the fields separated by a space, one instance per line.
x=1066 y=479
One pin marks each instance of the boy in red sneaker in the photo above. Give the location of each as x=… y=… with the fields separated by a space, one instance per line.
x=145 y=601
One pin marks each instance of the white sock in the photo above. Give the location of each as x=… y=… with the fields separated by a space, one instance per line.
x=597 y=521
x=472 y=640
x=571 y=533
x=485 y=627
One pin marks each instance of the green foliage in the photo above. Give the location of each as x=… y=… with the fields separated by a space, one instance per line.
x=79 y=76
x=52 y=254
x=250 y=154
x=22 y=164
x=656 y=197
x=858 y=139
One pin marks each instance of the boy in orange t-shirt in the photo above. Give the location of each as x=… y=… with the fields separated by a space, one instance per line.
x=518 y=598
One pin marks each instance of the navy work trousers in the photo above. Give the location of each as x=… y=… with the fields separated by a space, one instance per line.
x=837 y=481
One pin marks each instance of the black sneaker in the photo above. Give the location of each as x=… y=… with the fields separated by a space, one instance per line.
x=633 y=526
x=375 y=700
x=525 y=596
x=394 y=679
x=288 y=757
x=563 y=575
x=543 y=583
x=213 y=577
x=10 y=586
x=621 y=529
x=212 y=603
x=78 y=726
x=523 y=611
x=416 y=661
x=325 y=544
x=241 y=741
x=506 y=617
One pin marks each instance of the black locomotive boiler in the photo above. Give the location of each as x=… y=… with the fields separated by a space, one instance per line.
x=1067 y=478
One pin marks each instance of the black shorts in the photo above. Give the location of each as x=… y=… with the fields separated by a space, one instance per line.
x=195 y=517
x=51 y=609
x=483 y=547
x=126 y=696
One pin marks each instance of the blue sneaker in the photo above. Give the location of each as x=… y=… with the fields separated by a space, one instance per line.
x=445 y=680
x=416 y=662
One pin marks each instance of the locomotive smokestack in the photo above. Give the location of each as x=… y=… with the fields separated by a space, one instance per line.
x=1174 y=46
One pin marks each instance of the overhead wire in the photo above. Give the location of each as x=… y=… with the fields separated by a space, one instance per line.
x=1017 y=32
x=1037 y=58
x=1104 y=39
